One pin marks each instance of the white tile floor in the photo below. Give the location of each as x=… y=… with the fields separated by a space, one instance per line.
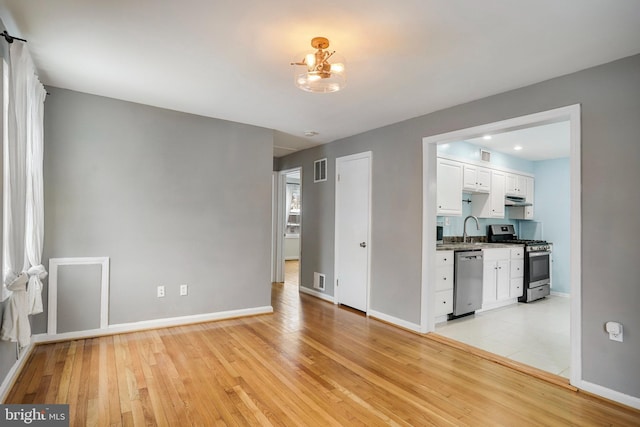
x=536 y=333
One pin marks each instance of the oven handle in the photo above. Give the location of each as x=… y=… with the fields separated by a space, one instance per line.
x=542 y=253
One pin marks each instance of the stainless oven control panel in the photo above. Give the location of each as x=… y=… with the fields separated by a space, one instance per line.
x=539 y=248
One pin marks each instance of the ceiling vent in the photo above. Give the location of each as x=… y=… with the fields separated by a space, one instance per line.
x=320 y=170
x=485 y=155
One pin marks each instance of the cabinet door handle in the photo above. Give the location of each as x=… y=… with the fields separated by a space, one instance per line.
x=363 y=245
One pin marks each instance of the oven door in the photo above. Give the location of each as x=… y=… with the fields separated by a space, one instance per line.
x=538 y=269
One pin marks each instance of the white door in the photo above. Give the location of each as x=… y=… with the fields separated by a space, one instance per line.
x=353 y=206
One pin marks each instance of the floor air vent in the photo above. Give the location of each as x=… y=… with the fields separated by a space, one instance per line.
x=318 y=281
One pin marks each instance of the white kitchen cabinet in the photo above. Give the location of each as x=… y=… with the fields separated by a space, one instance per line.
x=516 y=272
x=525 y=212
x=444 y=283
x=449 y=188
x=490 y=205
x=496 y=283
x=515 y=185
x=528 y=210
x=476 y=179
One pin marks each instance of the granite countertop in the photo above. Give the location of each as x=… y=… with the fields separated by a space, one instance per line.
x=459 y=246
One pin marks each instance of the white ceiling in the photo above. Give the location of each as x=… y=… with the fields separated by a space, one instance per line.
x=230 y=59
x=544 y=142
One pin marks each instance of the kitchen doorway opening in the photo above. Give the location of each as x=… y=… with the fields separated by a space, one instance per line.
x=430 y=145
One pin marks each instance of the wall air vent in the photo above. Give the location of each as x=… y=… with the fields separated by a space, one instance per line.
x=320 y=170
x=318 y=281
x=485 y=155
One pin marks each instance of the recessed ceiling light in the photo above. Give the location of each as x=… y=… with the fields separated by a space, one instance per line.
x=486 y=137
x=310 y=133
x=517 y=147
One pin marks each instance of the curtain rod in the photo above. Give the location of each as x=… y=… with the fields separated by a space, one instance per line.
x=9 y=38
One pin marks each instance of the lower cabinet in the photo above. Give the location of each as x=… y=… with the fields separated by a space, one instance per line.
x=444 y=283
x=496 y=278
x=517 y=272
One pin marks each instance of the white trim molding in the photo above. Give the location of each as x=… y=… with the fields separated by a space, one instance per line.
x=607 y=393
x=15 y=370
x=54 y=263
x=316 y=294
x=394 y=321
x=153 y=324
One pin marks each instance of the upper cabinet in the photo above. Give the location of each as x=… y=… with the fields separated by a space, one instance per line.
x=516 y=185
x=476 y=179
x=488 y=187
x=490 y=205
x=449 y=188
x=524 y=212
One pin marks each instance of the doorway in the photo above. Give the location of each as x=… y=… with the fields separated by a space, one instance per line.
x=571 y=114
x=353 y=230
x=288 y=233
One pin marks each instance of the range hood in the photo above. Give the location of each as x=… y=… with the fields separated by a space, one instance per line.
x=516 y=201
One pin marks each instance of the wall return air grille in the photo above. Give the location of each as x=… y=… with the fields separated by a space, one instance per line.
x=320 y=170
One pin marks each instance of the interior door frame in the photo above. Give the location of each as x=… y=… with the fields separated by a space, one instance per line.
x=280 y=197
x=429 y=153
x=339 y=161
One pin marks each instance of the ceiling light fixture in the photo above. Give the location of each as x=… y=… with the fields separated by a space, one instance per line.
x=518 y=147
x=486 y=137
x=320 y=75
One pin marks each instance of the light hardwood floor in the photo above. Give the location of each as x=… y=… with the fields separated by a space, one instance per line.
x=308 y=364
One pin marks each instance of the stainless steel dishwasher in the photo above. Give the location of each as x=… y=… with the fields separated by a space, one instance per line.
x=467 y=282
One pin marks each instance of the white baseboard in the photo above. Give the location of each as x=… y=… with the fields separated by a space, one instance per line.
x=394 y=321
x=497 y=304
x=12 y=375
x=607 y=393
x=316 y=294
x=560 y=294
x=153 y=324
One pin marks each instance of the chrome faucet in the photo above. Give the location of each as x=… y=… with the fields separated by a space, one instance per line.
x=464 y=233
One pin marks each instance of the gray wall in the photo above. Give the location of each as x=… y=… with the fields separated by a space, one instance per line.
x=610 y=98
x=171 y=198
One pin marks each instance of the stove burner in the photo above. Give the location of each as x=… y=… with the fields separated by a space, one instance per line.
x=525 y=241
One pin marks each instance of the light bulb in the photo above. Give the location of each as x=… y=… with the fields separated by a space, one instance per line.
x=310 y=60
x=337 y=67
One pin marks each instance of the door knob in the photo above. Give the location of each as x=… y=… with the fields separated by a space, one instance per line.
x=363 y=245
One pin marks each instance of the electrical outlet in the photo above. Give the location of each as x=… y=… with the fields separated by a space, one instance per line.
x=183 y=290
x=160 y=291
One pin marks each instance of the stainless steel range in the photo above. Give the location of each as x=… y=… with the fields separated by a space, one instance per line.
x=537 y=261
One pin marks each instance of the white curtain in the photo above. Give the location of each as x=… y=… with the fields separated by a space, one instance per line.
x=23 y=198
